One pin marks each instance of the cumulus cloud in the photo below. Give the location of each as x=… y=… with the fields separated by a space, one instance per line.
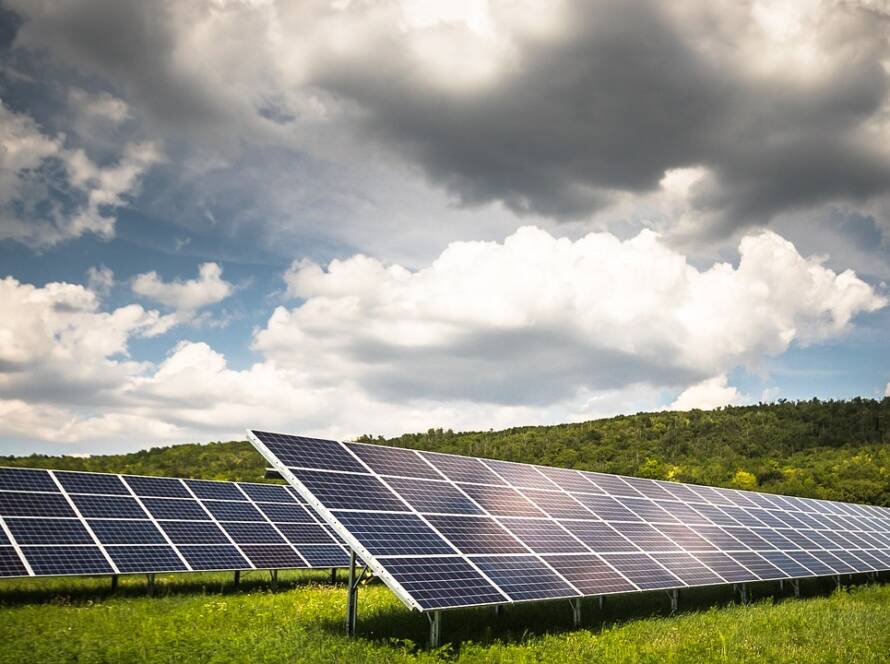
x=50 y=193
x=100 y=280
x=554 y=109
x=887 y=390
x=709 y=394
x=534 y=329
x=185 y=296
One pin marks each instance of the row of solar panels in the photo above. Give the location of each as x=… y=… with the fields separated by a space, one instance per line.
x=68 y=523
x=447 y=531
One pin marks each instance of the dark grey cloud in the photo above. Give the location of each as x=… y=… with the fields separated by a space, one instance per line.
x=622 y=92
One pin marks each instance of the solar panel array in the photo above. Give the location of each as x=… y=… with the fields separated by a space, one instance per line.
x=445 y=531
x=71 y=523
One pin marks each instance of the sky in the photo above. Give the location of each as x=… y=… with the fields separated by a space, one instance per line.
x=350 y=217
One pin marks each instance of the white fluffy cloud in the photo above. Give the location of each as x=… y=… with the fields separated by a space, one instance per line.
x=887 y=390
x=707 y=395
x=535 y=329
x=185 y=297
x=33 y=212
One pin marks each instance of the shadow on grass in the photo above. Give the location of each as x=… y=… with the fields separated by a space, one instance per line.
x=518 y=622
x=77 y=590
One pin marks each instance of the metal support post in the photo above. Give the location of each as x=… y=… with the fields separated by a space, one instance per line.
x=795 y=586
x=237 y=579
x=113 y=582
x=498 y=610
x=601 y=600
x=151 y=584
x=781 y=585
x=674 y=596
x=435 y=618
x=576 y=611
x=743 y=593
x=837 y=582
x=274 y=574
x=333 y=575
x=351 y=597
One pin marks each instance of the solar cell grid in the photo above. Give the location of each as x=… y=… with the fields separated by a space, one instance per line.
x=267 y=493
x=14 y=503
x=648 y=488
x=787 y=564
x=600 y=537
x=543 y=536
x=126 y=532
x=213 y=557
x=720 y=538
x=109 y=507
x=647 y=510
x=130 y=559
x=25 y=479
x=569 y=480
x=607 y=508
x=252 y=533
x=688 y=569
x=175 y=508
x=646 y=537
x=524 y=577
x=680 y=492
x=393 y=534
x=63 y=560
x=643 y=571
x=812 y=563
x=48 y=531
x=611 y=484
x=164 y=487
x=215 y=490
x=231 y=511
x=520 y=475
x=685 y=537
x=558 y=504
x=853 y=561
x=776 y=539
x=10 y=563
x=325 y=555
x=394 y=461
x=279 y=512
x=463 y=469
x=304 y=533
x=684 y=513
x=590 y=574
x=348 y=491
x=443 y=582
x=431 y=496
x=476 y=535
x=764 y=569
x=726 y=567
x=501 y=501
x=193 y=532
x=77 y=482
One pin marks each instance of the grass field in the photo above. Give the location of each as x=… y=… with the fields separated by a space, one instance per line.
x=202 y=618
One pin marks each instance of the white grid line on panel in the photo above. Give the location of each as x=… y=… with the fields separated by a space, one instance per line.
x=16 y=547
x=84 y=522
x=269 y=521
x=218 y=525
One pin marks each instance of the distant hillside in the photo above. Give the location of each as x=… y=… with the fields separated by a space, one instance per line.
x=834 y=449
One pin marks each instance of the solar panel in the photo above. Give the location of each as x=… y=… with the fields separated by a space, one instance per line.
x=445 y=531
x=71 y=522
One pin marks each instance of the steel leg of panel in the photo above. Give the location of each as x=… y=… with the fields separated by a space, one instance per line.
x=237 y=578
x=274 y=574
x=837 y=582
x=151 y=584
x=576 y=611
x=333 y=575
x=795 y=586
x=435 y=618
x=781 y=585
x=601 y=601
x=674 y=596
x=113 y=582
x=498 y=610
x=351 y=597
x=743 y=593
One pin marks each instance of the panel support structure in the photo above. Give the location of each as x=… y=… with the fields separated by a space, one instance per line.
x=795 y=586
x=114 y=579
x=435 y=618
x=237 y=578
x=151 y=584
x=274 y=574
x=674 y=596
x=742 y=589
x=333 y=575
x=576 y=611
x=352 y=594
x=601 y=601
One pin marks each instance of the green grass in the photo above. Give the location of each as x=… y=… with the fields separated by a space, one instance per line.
x=201 y=618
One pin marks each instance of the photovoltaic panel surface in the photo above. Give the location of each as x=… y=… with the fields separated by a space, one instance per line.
x=446 y=531
x=71 y=523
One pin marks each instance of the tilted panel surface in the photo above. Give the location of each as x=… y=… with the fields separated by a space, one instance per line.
x=446 y=531
x=74 y=523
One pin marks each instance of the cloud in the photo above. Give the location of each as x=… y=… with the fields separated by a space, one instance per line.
x=185 y=296
x=551 y=109
x=534 y=329
x=49 y=193
x=100 y=280
x=887 y=390
x=709 y=394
